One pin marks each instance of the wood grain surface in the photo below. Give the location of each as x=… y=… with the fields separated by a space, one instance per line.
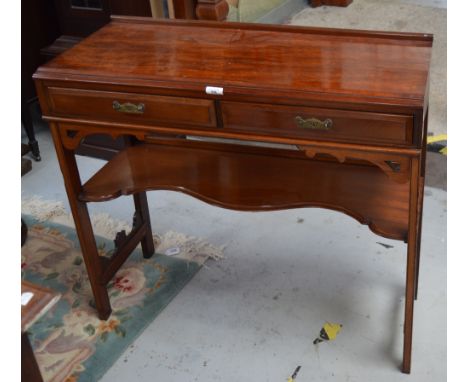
x=348 y=64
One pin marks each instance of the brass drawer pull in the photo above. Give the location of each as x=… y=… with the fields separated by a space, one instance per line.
x=395 y=166
x=314 y=123
x=128 y=107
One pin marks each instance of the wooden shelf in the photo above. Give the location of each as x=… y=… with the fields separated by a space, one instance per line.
x=243 y=180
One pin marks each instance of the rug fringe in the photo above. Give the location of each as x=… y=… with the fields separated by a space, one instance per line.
x=187 y=247
x=41 y=209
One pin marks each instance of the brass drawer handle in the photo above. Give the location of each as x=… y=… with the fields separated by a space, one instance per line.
x=395 y=166
x=128 y=107
x=314 y=123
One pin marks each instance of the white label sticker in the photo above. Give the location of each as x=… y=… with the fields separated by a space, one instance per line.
x=172 y=251
x=214 y=90
x=26 y=297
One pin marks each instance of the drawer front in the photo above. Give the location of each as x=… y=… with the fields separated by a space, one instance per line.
x=320 y=124
x=132 y=108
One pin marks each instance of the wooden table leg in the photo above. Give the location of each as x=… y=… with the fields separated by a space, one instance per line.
x=411 y=265
x=141 y=208
x=83 y=225
x=142 y=212
x=421 y=203
x=418 y=236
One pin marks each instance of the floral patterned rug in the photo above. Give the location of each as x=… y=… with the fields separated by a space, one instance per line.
x=70 y=342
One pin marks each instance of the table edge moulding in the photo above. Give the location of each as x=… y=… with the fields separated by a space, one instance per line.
x=332 y=118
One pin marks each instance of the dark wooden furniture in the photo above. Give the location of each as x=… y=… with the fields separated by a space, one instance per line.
x=26 y=166
x=77 y=19
x=183 y=9
x=350 y=105
x=216 y=10
x=83 y=17
x=38 y=29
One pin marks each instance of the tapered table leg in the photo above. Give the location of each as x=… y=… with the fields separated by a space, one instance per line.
x=411 y=265
x=141 y=210
x=421 y=203
x=83 y=225
x=418 y=237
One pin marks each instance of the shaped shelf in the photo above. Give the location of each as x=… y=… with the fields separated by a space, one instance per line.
x=256 y=179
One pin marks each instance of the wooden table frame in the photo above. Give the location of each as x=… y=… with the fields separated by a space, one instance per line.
x=370 y=164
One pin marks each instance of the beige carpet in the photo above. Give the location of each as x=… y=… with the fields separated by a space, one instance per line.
x=395 y=16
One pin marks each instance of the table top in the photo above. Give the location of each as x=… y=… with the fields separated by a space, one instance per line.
x=301 y=62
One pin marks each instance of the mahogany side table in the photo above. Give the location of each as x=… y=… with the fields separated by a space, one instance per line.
x=346 y=110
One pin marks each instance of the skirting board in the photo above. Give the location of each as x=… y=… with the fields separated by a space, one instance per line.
x=337 y=3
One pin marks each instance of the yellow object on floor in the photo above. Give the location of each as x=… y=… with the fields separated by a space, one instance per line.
x=328 y=332
x=438 y=141
x=437 y=138
x=332 y=330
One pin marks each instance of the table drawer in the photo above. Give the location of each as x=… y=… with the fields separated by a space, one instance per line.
x=132 y=108
x=320 y=124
